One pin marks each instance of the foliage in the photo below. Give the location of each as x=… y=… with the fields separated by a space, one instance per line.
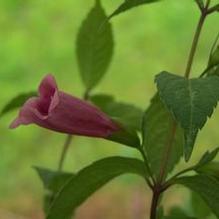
x=207 y=187
x=129 y=4
x=17 y=102
x=90 y=179
x=169 y=126
x=157 y=130
x=198 y=96
x=95 y=37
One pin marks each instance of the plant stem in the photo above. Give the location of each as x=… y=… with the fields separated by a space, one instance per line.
x=160 y=187
x=213 y=9
x=195 y=44
x=155 y=200
x=171 y=180
x=64 y=152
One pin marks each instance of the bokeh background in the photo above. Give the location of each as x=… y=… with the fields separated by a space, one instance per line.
x=37 y=37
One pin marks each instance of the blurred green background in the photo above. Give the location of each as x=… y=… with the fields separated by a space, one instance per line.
x=38 y=37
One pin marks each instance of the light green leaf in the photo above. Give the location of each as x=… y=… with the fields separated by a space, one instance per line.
x=89 y=180
x=129 y=4
x=191 y=101
x=17 y=102
x=207 y=187
x=157 y=134
x=94 y=46
x=128 y=115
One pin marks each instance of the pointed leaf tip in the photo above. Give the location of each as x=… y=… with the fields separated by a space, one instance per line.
x=129 y=4
x=192 y=102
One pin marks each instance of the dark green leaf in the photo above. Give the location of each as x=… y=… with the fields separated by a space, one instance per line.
x=129 y=4
x=94 y=46
x=200 y=3
x=126 y=136
x=207 y=158
x=178 y=217
x=53 y=182
x=215 y=8
x=128 y=115
x=191 y=101
x=17 y=102
x=157 y=131
x=160 y=213
x=89 y=180
x=214 y=58
x=213 y=62
x=178 y=213
x=207 y=187
x=200 y=209
x=210 y=169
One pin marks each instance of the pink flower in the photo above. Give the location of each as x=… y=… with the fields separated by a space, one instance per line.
x=61 y=112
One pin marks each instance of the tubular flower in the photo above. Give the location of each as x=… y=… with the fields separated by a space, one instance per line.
x=61 y=112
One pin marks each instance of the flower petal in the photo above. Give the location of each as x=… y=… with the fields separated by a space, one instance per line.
x=48 y=86
x=26 y=114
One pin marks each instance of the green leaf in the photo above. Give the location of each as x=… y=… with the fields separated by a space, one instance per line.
x=94 y=46
x=178 y=217
x=215 y=8
x=200 y=209
x=126 y=137
x=129 y=4
x=157 y=132
x=207 y=187
x=128 y=115
x=178 y=213
x=200 y=3
x=160 y=213
x=53 y=182
x=211 y=169
x=17 y=102
x=89 y=180
x=213 y=62
x=207 y=158
x=214 y=58
x=191 y=101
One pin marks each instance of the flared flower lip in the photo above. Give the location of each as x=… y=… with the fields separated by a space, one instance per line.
x=50 y=98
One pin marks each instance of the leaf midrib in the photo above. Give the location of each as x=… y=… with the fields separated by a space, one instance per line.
x=168 y=146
